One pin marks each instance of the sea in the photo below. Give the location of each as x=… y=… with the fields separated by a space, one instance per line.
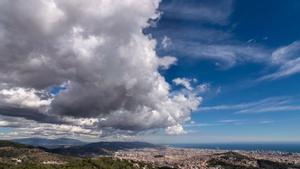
x=272 y=147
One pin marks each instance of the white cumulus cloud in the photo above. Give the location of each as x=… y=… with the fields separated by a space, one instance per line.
x=99 y=50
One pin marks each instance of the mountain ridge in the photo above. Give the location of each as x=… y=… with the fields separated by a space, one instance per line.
x=101 y=148
x=49 y=143
x=72 y=147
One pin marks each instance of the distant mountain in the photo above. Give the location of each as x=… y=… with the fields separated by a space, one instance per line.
x=20 y=156
x=11 y=151
x=101 y=148
x=6 y=143
x=49 y=143
x=72 y=147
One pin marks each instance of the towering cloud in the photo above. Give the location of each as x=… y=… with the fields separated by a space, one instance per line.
x=87 y=63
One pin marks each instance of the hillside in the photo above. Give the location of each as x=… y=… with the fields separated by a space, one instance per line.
x=20 y=156
x=6 y=143
x=101 y=148
x=14 y=153
x=232 y=160
x=49 y=143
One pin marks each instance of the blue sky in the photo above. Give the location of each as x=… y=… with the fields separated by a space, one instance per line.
x=80 y=70
x=247 y=52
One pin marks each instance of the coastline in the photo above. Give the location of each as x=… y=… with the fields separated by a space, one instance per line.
x=255 y=147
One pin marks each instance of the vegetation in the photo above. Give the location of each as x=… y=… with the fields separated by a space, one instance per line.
x=20 y=156
x=166 y=167
x=49 y=143
x=232 y=160
x=224 y=165
x=88 y=163
x=266 y=164
x=100 y=148
x=5 y=143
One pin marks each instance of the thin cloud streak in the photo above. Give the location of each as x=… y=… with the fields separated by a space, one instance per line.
x=287 y=61
x=219 y=44
x=230 y=122
x=273 y=104
x=213 y=11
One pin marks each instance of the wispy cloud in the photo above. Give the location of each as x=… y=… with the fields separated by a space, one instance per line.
x=214 y=11
x=212 y=39
x=226 y=55
x=267 y=122
x=273 y=104
x=229 y=122
x=202 y=125
x=282 y=108
x=287 y=61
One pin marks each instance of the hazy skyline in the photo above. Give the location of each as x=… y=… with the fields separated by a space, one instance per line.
x=170 y=71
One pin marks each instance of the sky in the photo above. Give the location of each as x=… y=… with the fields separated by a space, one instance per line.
x=170 y=71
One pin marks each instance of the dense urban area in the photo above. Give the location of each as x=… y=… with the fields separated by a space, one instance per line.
x=210 y=159
x=138 y=155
